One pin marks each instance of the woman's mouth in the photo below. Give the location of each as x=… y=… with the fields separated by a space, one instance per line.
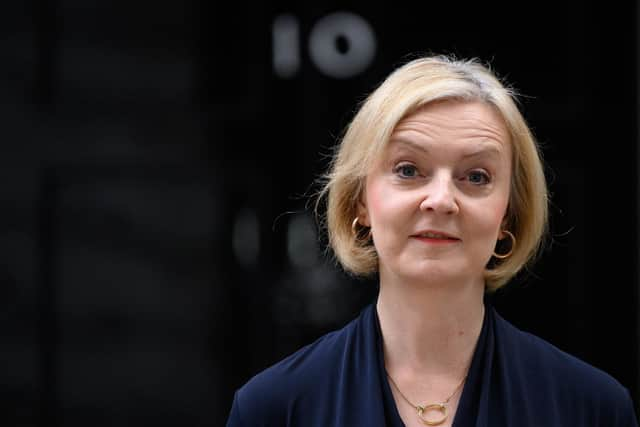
x=435 y=237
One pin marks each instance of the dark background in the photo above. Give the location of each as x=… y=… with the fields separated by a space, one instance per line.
x=157 y=245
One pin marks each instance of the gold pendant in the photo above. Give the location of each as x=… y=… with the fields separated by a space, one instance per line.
x=440 y=407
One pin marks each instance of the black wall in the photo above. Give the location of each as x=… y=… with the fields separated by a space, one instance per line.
x=157 y=245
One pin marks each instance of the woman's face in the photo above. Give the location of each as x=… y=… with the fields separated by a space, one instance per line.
x=437 y=197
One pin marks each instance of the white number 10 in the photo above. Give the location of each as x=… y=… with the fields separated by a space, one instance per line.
x=333 y=59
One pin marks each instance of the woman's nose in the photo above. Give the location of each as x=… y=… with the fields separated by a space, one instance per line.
x=439 y=196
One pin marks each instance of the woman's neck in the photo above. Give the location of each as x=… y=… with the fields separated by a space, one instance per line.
x=429 y=330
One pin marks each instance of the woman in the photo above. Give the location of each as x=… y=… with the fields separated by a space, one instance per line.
x=437 y=187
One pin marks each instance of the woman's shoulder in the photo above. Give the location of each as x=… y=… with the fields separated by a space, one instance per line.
x=304 y=375
x=553 y=370
x=301 y=367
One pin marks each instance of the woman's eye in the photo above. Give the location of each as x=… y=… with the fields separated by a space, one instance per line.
x=406 y=171
x=478 y=177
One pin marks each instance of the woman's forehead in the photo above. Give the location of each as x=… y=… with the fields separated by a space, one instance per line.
x=473 y=123
x=451 y=115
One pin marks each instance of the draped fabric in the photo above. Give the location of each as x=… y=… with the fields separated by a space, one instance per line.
x=515 y=379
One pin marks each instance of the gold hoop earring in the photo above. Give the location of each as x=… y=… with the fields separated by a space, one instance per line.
x=513 y=246
x=356 y=232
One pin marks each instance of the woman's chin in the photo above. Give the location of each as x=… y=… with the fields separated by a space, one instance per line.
x=436 y=275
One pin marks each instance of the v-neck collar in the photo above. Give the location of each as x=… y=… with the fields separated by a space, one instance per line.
x=469 y=405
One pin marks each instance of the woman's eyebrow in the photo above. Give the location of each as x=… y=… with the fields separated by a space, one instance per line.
x=410 y=144
x=484 y=150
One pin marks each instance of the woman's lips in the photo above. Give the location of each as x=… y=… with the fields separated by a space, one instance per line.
x=437 y=241
x=435 y=237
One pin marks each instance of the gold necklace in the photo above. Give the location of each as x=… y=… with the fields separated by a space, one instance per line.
x=440 y=407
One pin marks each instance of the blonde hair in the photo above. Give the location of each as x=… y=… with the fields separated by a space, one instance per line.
x=411 y=86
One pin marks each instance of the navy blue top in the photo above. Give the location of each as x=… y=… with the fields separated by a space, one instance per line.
x=515 y=379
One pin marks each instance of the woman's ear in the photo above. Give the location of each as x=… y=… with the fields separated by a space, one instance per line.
x=363 y=213
x=504 y=225
x=505 y=219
